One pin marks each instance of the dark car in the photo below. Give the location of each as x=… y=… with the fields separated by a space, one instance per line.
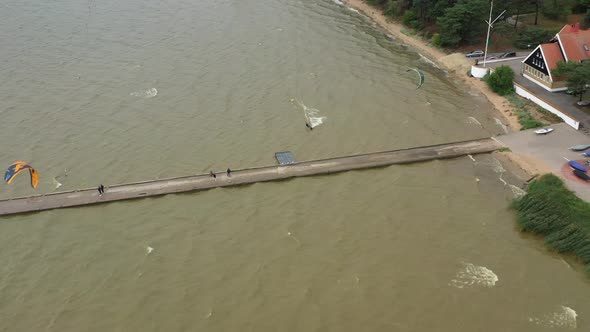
x=474 y=54
x=507 y=54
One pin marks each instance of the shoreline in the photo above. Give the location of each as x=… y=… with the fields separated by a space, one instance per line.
x=457 y=65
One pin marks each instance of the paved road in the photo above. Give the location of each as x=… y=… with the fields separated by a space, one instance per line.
x=239 y=177
x=551 y=149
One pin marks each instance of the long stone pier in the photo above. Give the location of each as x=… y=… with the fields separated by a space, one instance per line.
x=244 y=176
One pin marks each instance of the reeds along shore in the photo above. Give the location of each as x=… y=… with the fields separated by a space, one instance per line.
x=551 y=210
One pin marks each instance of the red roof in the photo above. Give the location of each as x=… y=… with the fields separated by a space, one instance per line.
x=552 y=55
x=570 y=28
x=575 y=42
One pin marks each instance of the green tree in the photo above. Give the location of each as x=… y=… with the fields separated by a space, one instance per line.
x=578 y=76
x=464 y=22
x=533 y=36
x=556 y=9
x=500 y=81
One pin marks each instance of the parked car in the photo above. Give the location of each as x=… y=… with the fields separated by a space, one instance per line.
x=584 y=103
x=507 y=54
x=474 y=54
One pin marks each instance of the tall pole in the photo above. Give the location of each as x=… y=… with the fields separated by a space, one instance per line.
x=490 y=25
x=485 y=54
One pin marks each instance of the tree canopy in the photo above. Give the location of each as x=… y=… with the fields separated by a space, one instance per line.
x=460 y=22
x=578 y=76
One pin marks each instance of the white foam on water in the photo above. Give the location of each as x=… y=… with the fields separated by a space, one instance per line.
x=473 y=121
x=565 y=317
x=149 y=250
x=56 y=183
x=428 y=61
x=517 y=192
x=145 y=94
x=354 y=10
x=497 y=166
x=504 y=127
x=338 y=2
x=473 y=275
x=471 y=157
x=311 y=114
x=566 y=263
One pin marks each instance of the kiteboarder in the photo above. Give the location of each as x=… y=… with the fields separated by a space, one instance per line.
x=420 y=76
x=228 y=172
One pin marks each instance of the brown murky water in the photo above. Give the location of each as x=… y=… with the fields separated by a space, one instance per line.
x=122 y=91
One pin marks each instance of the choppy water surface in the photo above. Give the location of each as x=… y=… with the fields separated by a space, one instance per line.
x=119 y=91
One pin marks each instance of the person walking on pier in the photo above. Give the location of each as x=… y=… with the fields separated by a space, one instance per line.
x=100 y=190
x=213 y=175
x=228 y=172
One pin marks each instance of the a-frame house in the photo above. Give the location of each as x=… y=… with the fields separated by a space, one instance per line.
x=569 y=44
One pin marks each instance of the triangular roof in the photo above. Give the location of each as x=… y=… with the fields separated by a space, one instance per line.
x=552 y=55
x=575 y=43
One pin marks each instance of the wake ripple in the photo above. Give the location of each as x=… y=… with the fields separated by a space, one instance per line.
x=473 y=275
x=311 y=114
x=145 y=94
x=473 y=121
x=565 y=317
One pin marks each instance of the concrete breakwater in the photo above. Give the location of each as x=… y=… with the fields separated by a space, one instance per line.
x=244 y=176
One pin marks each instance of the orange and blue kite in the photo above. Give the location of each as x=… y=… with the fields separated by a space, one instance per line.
x=19 y=166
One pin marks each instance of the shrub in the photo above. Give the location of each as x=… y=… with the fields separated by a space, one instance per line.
x=436 y=40
x=409 y=17
x=500 y=81
x=391 y=10
x=551 y=210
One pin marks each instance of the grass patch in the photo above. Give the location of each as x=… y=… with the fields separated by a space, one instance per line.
x=551 y=210
x=504 y=150
x=548 y=115
x=526 y=120
x=515 y=101
x=407 y=33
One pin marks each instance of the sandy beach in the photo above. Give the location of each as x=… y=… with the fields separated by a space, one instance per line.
x=456 y=64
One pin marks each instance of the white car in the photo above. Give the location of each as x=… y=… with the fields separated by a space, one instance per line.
x=474 y=54
x=583 y=103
